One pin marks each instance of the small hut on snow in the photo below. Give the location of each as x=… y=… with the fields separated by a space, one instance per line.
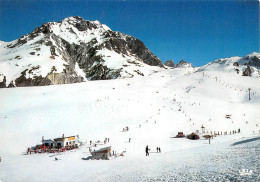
x=103 y=153
x=193 y=136
x=180 y=135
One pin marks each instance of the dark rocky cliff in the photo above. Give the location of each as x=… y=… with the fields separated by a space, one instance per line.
x=90 y=38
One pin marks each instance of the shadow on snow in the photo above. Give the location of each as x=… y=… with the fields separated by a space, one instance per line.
x=246 y=141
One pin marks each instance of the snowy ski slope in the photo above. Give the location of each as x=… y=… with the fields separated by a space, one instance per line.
x=154 y=108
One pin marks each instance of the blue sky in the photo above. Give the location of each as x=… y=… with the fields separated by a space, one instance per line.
x=196 y=31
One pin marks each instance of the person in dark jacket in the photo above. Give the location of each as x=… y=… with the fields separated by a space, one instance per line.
x=147 y=150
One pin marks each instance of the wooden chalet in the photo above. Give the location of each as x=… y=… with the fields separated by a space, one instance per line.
x=103 y=153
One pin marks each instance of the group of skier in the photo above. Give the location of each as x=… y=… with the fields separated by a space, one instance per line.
x=158 y=149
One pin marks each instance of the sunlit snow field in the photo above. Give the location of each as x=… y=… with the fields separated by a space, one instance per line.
x=162 y=103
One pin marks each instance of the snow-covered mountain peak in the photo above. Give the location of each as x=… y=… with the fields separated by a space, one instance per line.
x=72 y=29
x=257 y=54
x=184 y=64
x=73 y=50
x=253 y=59
x=83 y=25
x=245 y=66
x=170 y=64
x=77 y=20
x=73 y=19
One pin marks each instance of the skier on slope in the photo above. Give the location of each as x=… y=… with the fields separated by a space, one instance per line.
x=147 y=150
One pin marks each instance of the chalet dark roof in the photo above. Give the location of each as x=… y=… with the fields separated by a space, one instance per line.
x=48 y=140
x=102 y=150
x=62 y=139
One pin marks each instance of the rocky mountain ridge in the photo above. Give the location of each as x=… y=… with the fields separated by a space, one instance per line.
x=73 y=50
x=244 y=66
x=170 y=64
x=181 y=64
x=77 y=50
